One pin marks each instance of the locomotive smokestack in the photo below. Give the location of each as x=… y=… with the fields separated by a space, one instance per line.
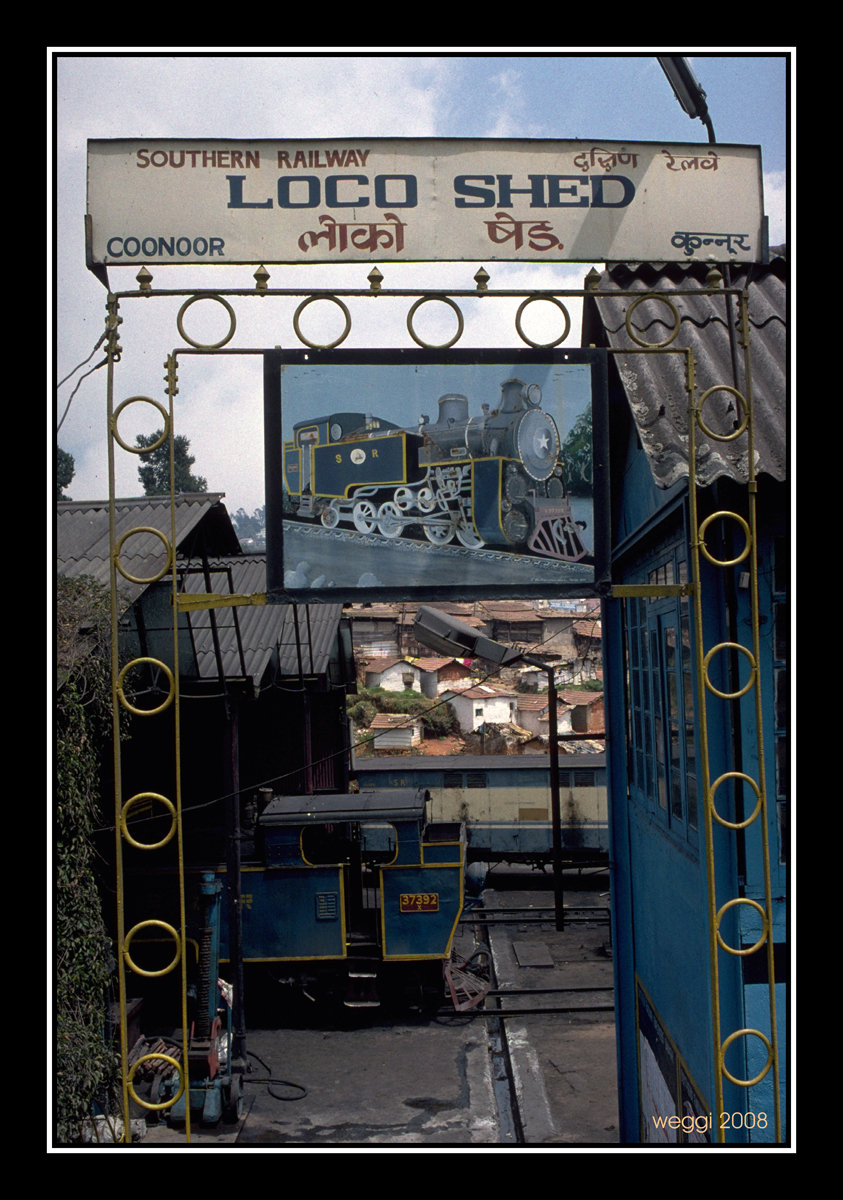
x=453 y=408
x=512 y=395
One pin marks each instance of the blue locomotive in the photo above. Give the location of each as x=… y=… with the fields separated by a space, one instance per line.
x=489 y=480
x=352 y=893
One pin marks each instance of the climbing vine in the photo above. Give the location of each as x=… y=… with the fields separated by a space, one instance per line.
x=85 y=1068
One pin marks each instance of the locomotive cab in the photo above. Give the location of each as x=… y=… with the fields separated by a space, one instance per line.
x=354 y=889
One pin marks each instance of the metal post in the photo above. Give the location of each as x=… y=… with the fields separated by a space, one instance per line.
x=553 y=749
x=274 y=479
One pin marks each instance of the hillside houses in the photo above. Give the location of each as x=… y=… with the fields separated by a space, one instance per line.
x=483 y=704
x=566 y=635
x=430 y=676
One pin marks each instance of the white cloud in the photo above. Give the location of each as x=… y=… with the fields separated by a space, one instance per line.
x=269 y=95
x=775 y=205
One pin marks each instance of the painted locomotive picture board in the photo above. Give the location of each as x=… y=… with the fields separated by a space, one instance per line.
x=446 y=474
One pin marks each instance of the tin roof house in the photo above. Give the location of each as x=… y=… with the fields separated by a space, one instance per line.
x=261 y=685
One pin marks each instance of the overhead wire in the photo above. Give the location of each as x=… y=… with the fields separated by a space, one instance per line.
x=104 y=362
x=491 y=673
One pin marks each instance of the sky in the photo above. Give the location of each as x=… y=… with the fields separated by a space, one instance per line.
x=557 y=93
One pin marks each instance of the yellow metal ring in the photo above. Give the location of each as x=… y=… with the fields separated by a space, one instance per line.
x=146 y=925
x=750 y=682
x=322 y=345
x=145 y=712
x=124 y=812
x=742 y=1033
x=542 y=345
x=751 y=949
x=755 y=811
x=444 y=300
x=140 y=400
x=208 y=345
x=146 y=1103
x=640 y=341
x=722 y=437
x=143 y=529
x=720 y=562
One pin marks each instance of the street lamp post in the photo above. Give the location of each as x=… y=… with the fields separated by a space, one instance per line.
x=451 y=637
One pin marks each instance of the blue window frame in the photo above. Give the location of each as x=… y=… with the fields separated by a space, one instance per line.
x=661 y=735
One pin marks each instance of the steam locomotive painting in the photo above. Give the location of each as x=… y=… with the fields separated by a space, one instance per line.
x=489 y=478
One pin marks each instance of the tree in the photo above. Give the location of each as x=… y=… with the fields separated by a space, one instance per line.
x=86 y=1067
x=577 y=456
x=247 y=526
x=65 y=470
x=154 y=469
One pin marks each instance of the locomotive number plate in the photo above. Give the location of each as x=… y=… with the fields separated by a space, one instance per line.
x=418 y=902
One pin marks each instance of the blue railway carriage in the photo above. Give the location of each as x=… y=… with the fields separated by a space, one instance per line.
x=354 y=894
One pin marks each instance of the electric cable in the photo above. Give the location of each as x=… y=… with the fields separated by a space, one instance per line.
x=278 y=1082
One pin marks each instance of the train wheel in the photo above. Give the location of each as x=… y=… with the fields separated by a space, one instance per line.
x=364 y=516
x=330 y=516
x=516 y=526
x=404 y=499
x=467 y=536
x=390 y=521
x=439 y=535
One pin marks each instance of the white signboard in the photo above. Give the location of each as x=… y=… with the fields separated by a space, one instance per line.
x=415 y=200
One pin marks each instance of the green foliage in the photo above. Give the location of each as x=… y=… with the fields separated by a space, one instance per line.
x=65 y=470
x=247 y=526
x=438 y=719
x=154 y=469
x=85 y=1066
x=577 y=456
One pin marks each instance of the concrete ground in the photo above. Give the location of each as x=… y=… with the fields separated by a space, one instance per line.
x=407 y=1081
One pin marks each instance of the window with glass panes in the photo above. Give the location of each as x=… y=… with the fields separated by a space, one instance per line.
x=661 y=741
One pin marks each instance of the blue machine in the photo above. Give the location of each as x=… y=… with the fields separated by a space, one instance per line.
x=215 y=1088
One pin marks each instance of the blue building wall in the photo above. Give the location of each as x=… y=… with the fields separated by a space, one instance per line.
x=664 y=966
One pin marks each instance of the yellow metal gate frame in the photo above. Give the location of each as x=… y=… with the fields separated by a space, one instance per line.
x=705 y=687
x=180 y=603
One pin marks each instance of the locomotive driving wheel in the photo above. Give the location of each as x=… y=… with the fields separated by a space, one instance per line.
x=467 y=535
x=365 y=516
x=438 y=531
x=390 y=521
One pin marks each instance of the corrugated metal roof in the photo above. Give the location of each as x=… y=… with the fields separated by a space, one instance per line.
x=304 y=635
x=393 y=721
x=655 y=383
x=82 y=535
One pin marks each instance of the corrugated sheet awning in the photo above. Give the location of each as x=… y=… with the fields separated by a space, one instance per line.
x=82 y=536
x=655 y=383
x=303 y=635
x=298 y=640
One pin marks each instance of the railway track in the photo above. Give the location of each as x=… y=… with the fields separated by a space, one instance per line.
x=530 y=1026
